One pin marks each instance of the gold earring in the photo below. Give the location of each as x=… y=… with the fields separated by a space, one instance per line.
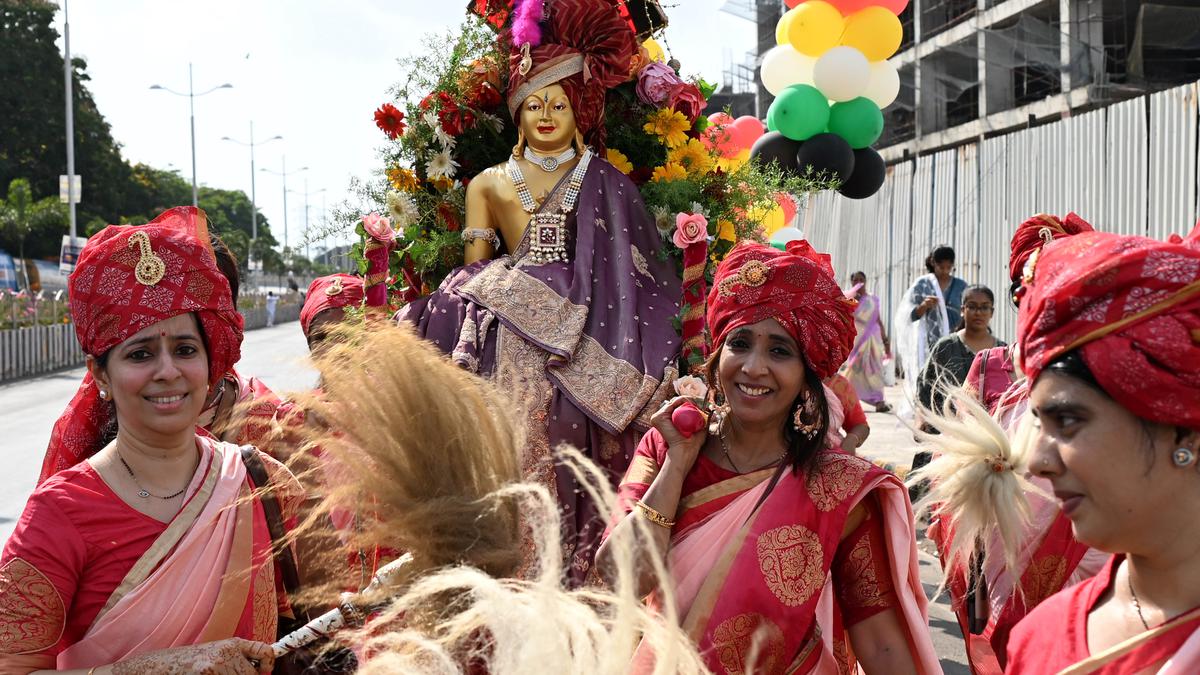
x=519 y=148
x=103 y=395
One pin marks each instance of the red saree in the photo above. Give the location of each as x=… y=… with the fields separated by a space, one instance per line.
x=1053 y=639
x=771 y=587
x=86 y=580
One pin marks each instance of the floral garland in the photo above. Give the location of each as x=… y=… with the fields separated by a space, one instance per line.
x=454 y=126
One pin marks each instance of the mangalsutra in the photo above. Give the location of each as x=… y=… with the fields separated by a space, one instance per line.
x=549 y=238
x=549 y=164
x=725 y=449
x=142 y=491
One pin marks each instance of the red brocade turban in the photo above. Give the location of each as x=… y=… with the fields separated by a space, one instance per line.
x=796 y=288
x=1035 y=233
x=331 y=292
x=131 y=277
x=1131 y=306
x=587 y=48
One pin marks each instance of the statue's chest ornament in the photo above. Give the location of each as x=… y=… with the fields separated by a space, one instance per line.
x=548 y=241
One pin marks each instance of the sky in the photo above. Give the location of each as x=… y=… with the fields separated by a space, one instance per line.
x=312 y=71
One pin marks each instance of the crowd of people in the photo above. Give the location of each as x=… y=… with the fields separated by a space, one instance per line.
x=509 y=475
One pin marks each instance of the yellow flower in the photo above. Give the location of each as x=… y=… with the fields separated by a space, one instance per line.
x=726 y=231
x=442 y=183
x=669 y=172
x=670 y=126
x=619 y=160
x=402 y=179
x=693 y=156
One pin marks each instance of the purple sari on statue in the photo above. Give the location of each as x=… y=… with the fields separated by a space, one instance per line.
x=587 y=345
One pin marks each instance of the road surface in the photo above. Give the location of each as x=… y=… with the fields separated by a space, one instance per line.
x=278 y=355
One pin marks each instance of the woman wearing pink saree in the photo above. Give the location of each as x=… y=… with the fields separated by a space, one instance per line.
x=153 y=554
x=785 y=555
x=864 y=367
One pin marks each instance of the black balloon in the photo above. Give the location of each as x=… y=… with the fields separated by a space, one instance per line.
x=775 y=147
x=826 y=154
x=868 y=175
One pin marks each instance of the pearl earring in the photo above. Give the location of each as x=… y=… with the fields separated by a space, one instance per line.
x=1183 y=457
x=103 y=395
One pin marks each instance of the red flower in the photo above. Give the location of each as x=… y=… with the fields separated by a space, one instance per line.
x=448 y=217
x=454 y=119
x=486 y=97
x=686 y=98
x=390 y=120
x=426 y=102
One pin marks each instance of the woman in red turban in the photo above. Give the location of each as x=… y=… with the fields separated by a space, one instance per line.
x=150 y=554
x=1110 y=340
x=778 y=543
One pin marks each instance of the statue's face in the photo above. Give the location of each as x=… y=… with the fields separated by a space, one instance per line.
x=548 y=120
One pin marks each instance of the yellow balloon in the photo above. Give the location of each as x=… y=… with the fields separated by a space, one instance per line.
x=874 y=31
x=655 y=50
x=774 y=221
x=781 y=28
x=816 y=27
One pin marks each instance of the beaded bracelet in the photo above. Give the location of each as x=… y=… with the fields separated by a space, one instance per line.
x=653 y=515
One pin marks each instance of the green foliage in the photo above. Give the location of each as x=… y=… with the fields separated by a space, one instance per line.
x=24 y=219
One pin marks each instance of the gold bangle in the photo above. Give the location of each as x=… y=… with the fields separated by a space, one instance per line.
x=653 y=515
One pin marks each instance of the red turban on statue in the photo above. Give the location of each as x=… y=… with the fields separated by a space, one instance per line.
x=1131 y=306
x=130 y=277
x=331 y=292
x=587 y=48
x=1035 y=233
x=796 y=288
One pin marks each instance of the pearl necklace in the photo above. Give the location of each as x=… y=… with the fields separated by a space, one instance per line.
x=548 y=242
x=549 y=164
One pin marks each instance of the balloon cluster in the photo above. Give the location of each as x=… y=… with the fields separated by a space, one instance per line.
x=831 y=79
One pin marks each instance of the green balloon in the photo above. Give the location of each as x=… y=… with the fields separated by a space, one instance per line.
x=858 y=121
x=799 y=112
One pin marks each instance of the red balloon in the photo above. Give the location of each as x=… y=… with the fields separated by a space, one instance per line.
x=746 y=130
x=720 y=138
x=848 y=7
x=688 y=419
x=788 y=205
x=720 y=118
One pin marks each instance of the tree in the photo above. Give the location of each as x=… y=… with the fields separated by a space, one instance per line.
x=32 y=116
x=20 y=215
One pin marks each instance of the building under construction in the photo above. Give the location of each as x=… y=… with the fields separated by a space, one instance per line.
x=1009 y=108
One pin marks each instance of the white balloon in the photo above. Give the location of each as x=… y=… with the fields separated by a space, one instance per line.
x=884 y=84
x=785 y=234
x=842 y=73
x=783 y=66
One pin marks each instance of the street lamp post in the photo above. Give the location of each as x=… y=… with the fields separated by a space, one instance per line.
x=284 y=174
x=307 y=194
x=253 y=192
x=191 y=95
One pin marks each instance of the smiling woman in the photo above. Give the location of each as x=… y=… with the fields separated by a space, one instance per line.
x=162 y=515
x=763 y=521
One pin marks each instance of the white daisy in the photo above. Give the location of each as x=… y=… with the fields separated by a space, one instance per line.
x=442 y=164
x=403 y=211
x=492 y=121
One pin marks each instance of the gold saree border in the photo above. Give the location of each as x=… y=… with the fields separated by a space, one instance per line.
x=235 y=584
x=1122 y=648
x=724 y=488
x=706 y=600
x=166 y=541
x=612 y=390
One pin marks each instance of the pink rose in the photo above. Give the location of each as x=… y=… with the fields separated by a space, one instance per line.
x=690 y=386
x=690 y=228
x=655 y=82
x=686 y=98
x=378 y=228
